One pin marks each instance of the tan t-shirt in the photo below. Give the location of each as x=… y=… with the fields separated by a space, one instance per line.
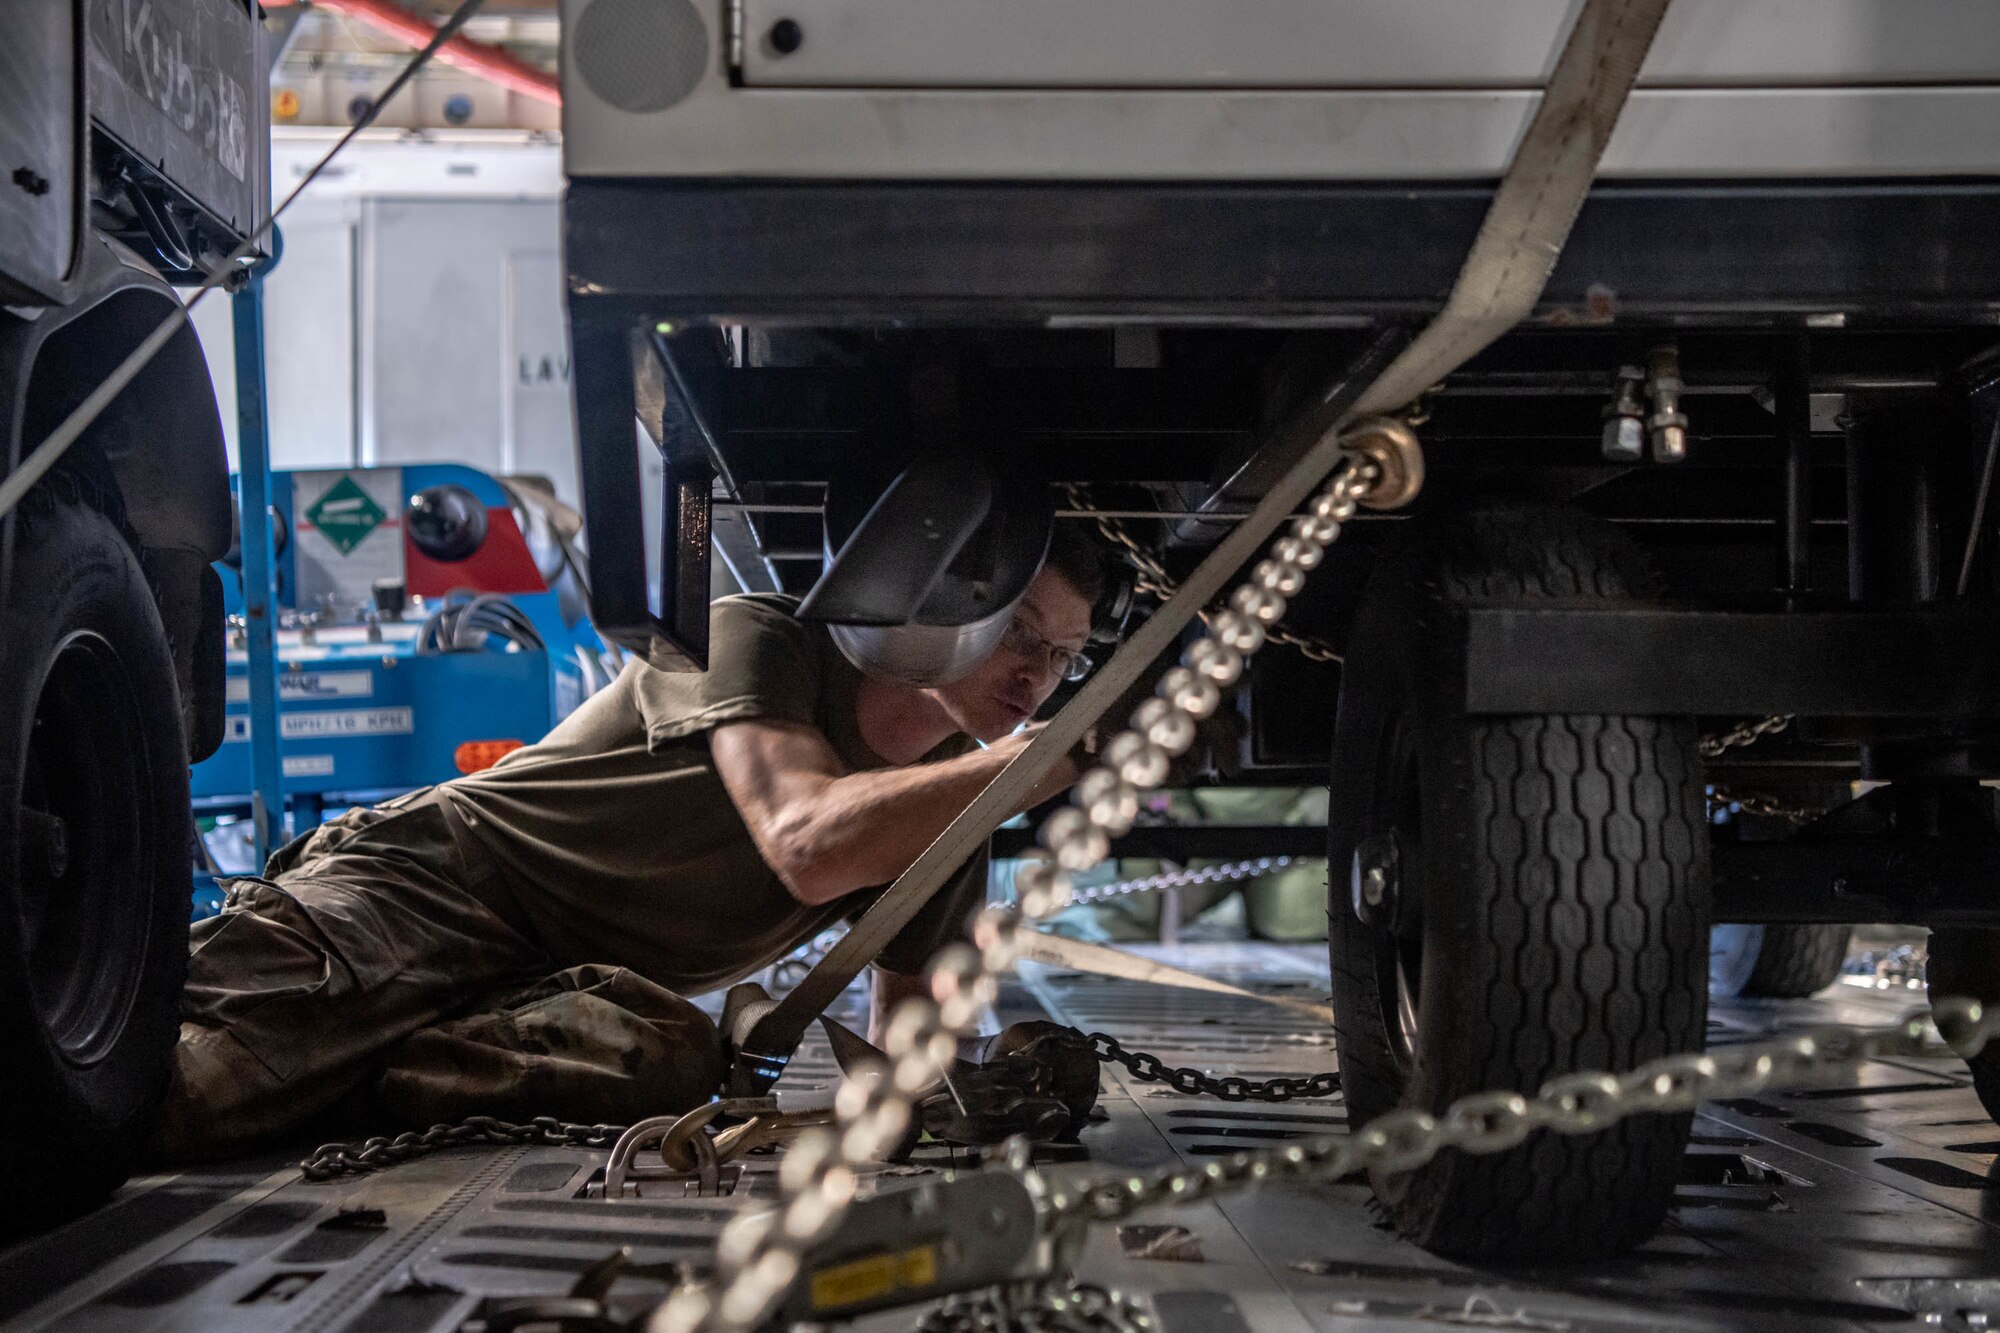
x=622 y=845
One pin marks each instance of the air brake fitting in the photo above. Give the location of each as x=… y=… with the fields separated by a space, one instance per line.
x=1645 y=407
x=1624 y=439
x=1667 y=425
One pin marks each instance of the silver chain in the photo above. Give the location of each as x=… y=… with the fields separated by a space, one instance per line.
x=331 y=1160
x=1316 y=650
x=1229 y=872
x=759 y=1255
x=1762 y=803
x=1491 y=1122
x=1747 y=733
x=1039 y=1307
x=1585 y=1103
x=1744 y=733
x=1154 y=579
x=1229 y=1087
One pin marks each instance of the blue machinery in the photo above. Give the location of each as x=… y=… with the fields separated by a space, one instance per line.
x=393 y=669
x=364 y=625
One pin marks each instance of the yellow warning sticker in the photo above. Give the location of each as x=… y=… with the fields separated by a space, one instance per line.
x=920 y=1266
x=861 y=1280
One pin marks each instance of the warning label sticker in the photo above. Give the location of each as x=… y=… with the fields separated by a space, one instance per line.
x=346 y=514
x=350 y=533
x=305 y=686
x=332 y=723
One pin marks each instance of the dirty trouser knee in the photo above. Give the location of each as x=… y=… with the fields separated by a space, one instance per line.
x=367 y=933
x=595 y=1043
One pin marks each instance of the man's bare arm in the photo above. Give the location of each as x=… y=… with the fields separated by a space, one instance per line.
x=826 y=831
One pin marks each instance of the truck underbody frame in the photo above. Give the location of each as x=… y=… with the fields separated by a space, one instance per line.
x=1313 y=253
x=1143 y=340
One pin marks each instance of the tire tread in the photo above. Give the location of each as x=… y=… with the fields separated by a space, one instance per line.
x=1585 y=856
x=1798 y=960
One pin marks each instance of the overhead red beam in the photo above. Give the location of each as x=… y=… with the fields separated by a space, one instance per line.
x=487 y=62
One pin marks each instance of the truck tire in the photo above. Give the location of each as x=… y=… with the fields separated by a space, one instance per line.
x=1543 y=887
x=1798 y=960
x=1732 y=957
x=1966 y=963
x=94 y=873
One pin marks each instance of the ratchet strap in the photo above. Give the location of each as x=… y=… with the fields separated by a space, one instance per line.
x=1502 y=278
x=1102 y=960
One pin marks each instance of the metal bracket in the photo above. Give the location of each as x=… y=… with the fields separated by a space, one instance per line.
x=1391 y=444
x=1666 y=661
x=947 y=1235
x=622 y=1172
x=672 y=634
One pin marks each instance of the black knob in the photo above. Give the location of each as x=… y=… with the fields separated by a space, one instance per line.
x=391 y=596
x=787 y=36
x=447 y=522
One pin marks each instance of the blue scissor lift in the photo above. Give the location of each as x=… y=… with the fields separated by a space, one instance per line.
x=377 y=702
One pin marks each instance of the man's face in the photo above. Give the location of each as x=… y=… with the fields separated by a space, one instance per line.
x=1005 y=690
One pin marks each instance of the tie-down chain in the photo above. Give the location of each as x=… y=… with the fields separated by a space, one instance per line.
x=1035 y=1079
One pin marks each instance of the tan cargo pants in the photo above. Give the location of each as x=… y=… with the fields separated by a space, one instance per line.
x=376 y=978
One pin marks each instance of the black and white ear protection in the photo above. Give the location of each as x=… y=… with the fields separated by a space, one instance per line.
x=1114 y=602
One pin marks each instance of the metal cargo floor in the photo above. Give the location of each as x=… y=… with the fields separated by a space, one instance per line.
x=1874 y=1204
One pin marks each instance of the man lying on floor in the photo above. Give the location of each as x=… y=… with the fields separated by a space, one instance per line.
x=519 y=942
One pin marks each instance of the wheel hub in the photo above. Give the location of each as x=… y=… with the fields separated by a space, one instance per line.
x=1377 y=878
x=44 y=843
x=84 y=845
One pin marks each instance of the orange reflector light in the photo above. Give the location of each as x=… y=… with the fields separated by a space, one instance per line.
x=472 y=756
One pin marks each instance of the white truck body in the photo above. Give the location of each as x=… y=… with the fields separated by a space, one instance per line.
x=1273 y=90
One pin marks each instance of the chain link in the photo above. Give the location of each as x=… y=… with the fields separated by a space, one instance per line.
x=1039 y=1307
x=1229 y=872
x=1748 y=733
x=1152 y=577
x=1744 y=733
x=1230 y=1087
x=1584 y=1103
x=1315 y=650
x=1762 y=803
x=332 y=1160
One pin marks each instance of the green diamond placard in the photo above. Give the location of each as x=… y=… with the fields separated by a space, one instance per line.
x=345 y=515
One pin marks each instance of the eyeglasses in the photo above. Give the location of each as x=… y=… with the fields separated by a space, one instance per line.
x=1025 y=642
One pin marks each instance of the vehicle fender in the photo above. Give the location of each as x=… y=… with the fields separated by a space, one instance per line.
x=157 y=449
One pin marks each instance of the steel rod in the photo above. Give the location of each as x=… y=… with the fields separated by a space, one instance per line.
x=1795 y=433
x=269 y=827
x=1979 y=510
